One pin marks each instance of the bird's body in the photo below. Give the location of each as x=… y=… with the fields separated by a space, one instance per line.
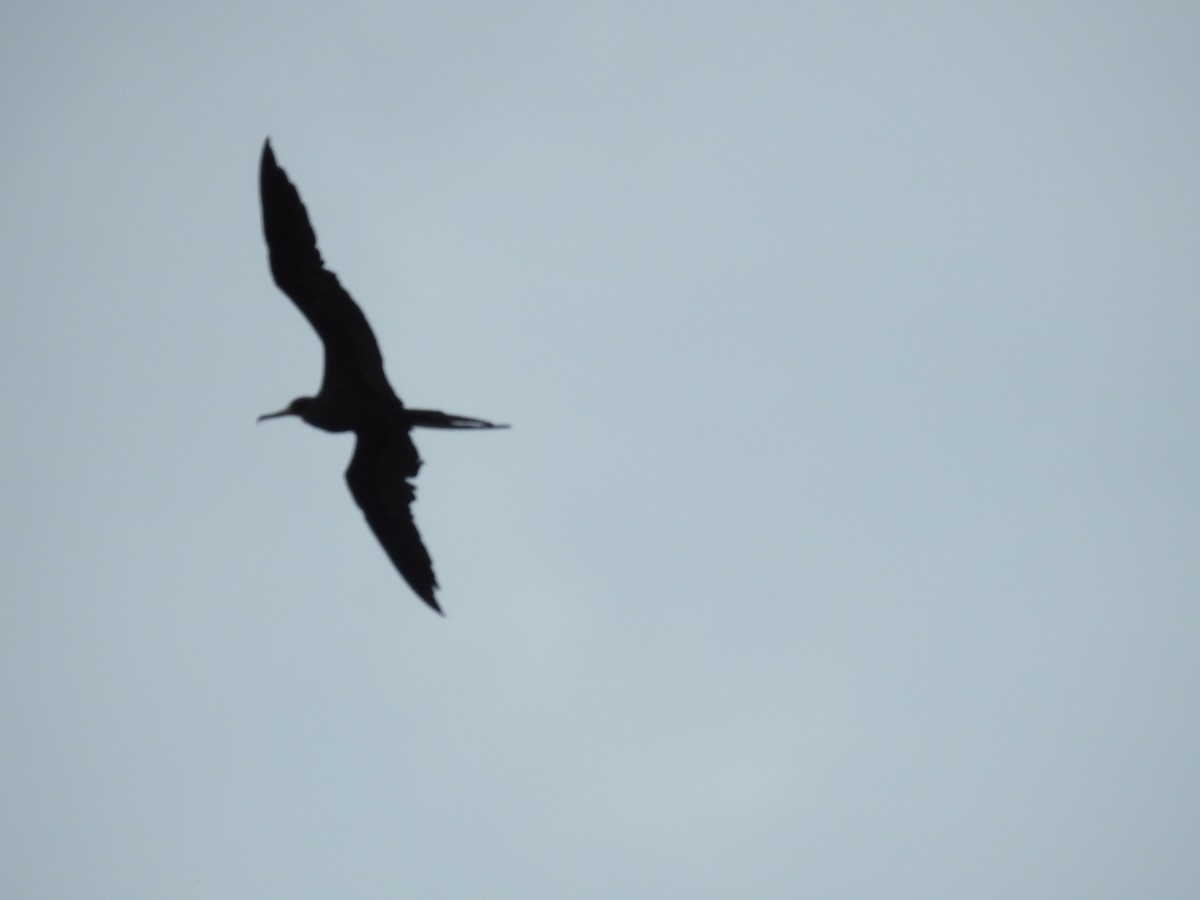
x=355 y=394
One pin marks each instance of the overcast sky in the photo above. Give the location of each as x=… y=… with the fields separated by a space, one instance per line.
x=845 y=541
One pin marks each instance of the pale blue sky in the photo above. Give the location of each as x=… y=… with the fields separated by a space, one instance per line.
x=845 y=543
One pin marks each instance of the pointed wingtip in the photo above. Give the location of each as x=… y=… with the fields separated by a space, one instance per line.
x=433 y=604
x=426 y=593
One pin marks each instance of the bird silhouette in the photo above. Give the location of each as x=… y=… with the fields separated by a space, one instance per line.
x=355 y=394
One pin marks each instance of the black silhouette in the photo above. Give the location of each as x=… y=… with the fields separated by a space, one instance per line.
x=355 y=394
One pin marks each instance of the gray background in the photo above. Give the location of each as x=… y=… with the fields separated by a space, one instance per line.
x=845 y=542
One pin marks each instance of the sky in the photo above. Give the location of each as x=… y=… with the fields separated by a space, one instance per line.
x=844 y=544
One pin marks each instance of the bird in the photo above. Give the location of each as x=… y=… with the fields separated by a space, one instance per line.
x=355 y=394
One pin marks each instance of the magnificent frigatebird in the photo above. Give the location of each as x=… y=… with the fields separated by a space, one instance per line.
x=355 y=394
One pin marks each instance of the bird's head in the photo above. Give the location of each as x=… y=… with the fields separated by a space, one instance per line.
x=297 y=407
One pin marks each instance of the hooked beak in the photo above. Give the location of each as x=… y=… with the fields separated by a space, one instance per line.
x=275 y=415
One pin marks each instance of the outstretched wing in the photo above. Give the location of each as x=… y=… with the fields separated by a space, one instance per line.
x=384 y=460
x=352 y=354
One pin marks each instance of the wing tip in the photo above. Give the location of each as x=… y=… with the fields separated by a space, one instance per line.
x=432 y=604
x=268 y=163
